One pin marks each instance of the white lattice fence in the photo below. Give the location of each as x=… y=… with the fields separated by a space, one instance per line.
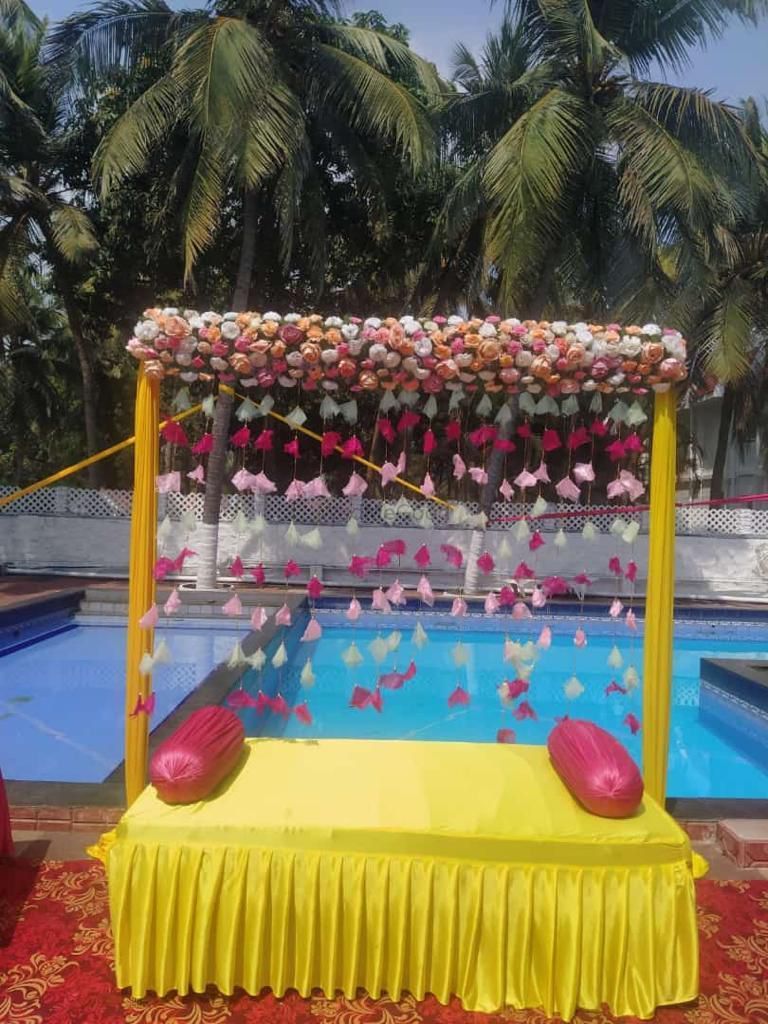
x=106 y=504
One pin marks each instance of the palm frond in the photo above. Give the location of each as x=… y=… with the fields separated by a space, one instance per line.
x=272 y=134
x=375 y=105
x=203 y=206
x=72 y=232
x=386 y=54
x=726 y=334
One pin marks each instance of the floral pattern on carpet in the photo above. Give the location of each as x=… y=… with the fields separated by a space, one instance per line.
x=56 y=966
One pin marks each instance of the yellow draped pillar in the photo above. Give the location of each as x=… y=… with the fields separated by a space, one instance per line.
x=660 y=597
x=141 y=585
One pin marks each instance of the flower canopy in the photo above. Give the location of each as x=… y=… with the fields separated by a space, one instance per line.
x=341 y=356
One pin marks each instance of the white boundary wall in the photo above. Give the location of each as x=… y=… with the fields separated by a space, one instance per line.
x=721 y=553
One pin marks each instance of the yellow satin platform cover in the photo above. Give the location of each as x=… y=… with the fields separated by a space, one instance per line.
x=451 y=868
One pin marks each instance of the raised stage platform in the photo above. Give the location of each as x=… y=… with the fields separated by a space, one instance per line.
x=449 y=868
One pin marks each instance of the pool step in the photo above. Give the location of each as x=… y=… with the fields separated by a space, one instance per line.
x=745 y=841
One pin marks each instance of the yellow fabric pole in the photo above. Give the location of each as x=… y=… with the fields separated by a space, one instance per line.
x=62 y=474
x=660 y=597
x=141 y=581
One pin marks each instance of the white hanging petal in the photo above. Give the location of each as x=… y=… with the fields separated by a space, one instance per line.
x=258 y=525
x=313 y=539
x=292 y=535
x=296 y=417
x=404 y=508
x=631 y=678
x=393 y=640
x=280 y=656
x=573 y=688
x=629 y=535
x=484 y=407
x=349 y=411
x=504 y=415
x=615 y=659
x=505 y=548
x=328 y=408
x=165 y=529
x=457 y=397
x=146 y=664
x=189 y=521
x=636 y=415
x=419 y=636
x=246 y=411
x=353 y=527
x=351 y=656
x=570 y=406
x=307 y=676
x=265 y=406
x=560 y=540
x=430 y=407
x=257 y=660
x=379 y=649
x=527 y=403
x=237 y=657
x=596 y=405
x=240 y=522
x=539 y=507
x=460 y=654
x=181 y=401
x=588 y=532
x=208 y=405
x=619 y=412
x=388 y=402
x=618 y=526
x=522 y=530
x=162 y=654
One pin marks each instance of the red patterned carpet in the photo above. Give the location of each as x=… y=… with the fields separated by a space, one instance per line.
x=55 y=965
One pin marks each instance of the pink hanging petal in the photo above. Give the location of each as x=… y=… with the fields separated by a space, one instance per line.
x=614 y=566
x=633 y=723
x=173 y=602
x=241 y=438
x=459 y=607
x=258 y=618
x=203 y=446
x=485 y=563
x=520 y=611
x=459 y=467
x=615 y=489
x=395 y=546
x=408 y=419
x=383 y=557
x=197 y=474
x=633 y=444
x=523 y=711
x=424 y=591
x=616 y=608
x=168 y=483
x=283 y=616
x=506 y=490
x=379 y=602
x=400 y=464
x=422 y=557
x=150 y=618
x=523 y=572
x=292 y=448
x=478 y=474
x=313 y=632
x=507 y=597
x=258 y=575
x=538 y=598
x=162 y=567
x=236 y=568
x=453 y=430
x=525 y=479
x=243 y=480
x=583 y=473
x=616 y=450
x=580 y=638
x=504 y=444
x=598 y=428
x=264 y=442
x=295 y=490
x=452 y=555
x=330 y=440
x=359 y=565
x=524 y=431
x=355 y=487
x=505 y=736
x=491 y=604
x=316 y=488
x=550 y=441
x=545 y=639
x=385 y=428
x=536 y=542
x=631 y=620
x=291 y=569
x=578 y=438
x=554 y=586
x=351 y=448
x=233 y=606
x=354 y=611
x=568 y=490
x=388 y=473
x=395 y=593
x=263 y=485
x=314 y=588
x=631 y=573
x=458 y=698
x=427 y=486
x=173 y=432
x=542 y=473
x=429 y=443
x=613 y=687
x=633 y=487
x=302 y=712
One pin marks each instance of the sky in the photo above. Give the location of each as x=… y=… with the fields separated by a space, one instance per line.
x=733 y=67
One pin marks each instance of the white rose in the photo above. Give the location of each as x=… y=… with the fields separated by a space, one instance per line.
x=589 y=385
x=464 y=359
x=652 y=330
x=392 y=360
x=675 y=345
x=286 y=382
x=487 y=331
x=292 y=318
x=430 y=325
x=578 y=327
x=294 y=358
x=255 y=323
x=423 y=348
x=454 y=320
x=552 y=352
x=374 y=322
x=196 y=322
x=190 y=314
x=210 y=317
x=355 y=344
x=599 y=348
x=584 y=336
x=377 y=352
x=523 y=358
x=230 y=330
x=615 y=379
x=329 y=356
x=274 y=317
x=230 y=316
x=183 y=358
x=188 y=377
x=170 y=311
x=333 y=321
x=559 y=327
x=219 y=364
x=330 y=385
x=514 y=322
x=630 y=347
x=350 y=331
x=146 y=330
x=531 y=385
x=411 y=327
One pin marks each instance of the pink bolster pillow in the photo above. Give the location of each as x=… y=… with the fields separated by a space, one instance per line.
x=198 y=756
x=596 y=768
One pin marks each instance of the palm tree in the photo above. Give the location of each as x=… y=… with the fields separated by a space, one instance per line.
x=591 y=168
x=265 y=93
x=39 y=221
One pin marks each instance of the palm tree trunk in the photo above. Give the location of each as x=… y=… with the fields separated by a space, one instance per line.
x=716 y=487
x=88 y=377
x=208 y=543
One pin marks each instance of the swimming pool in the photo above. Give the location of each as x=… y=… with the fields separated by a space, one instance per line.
x=705 y=759
x=62 y=698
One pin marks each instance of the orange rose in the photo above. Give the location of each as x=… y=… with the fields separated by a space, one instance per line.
x=333 y=336
x=269 y=328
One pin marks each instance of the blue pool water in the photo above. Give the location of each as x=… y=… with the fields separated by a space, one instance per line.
x=62 y=698
x=706 y=760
